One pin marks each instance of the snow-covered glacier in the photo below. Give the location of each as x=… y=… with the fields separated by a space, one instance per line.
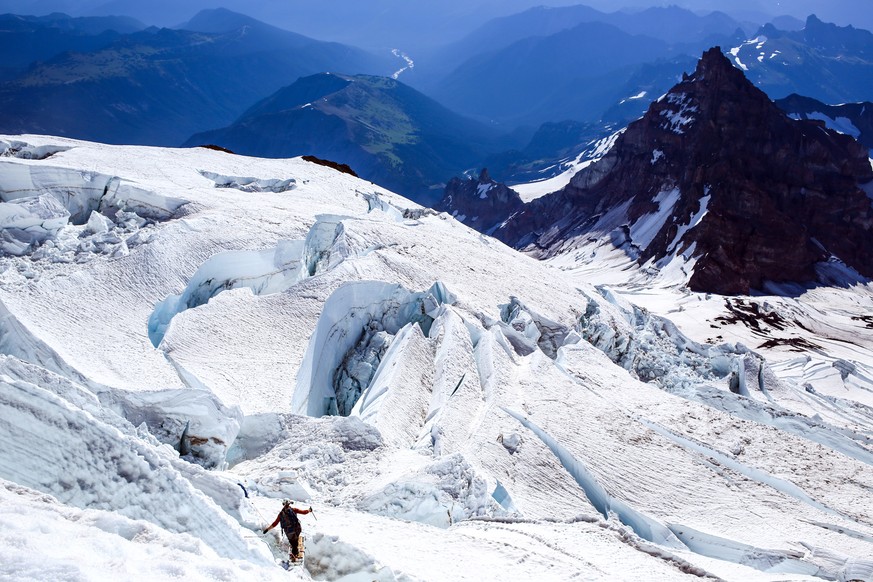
x=190 y=336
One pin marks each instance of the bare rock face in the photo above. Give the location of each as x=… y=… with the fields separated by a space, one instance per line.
x=481 y=204
x=715 y=170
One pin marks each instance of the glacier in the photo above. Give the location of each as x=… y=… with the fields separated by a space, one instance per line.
x=193 y=336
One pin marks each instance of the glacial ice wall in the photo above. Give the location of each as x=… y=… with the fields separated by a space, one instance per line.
x=26 y=151
x=340 y=356
x=251 y=184
x=654 y=350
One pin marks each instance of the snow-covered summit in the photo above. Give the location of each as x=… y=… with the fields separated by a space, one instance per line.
x=184 y=355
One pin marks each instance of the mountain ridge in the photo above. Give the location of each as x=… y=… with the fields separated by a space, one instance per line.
x=765 y=198
x=386 y=131
x=855 y=119
x=159 y=86
x=831 y=63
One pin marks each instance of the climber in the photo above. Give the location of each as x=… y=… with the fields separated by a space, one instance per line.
x=290 y=525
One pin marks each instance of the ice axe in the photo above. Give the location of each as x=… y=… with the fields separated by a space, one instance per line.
x=312 y=511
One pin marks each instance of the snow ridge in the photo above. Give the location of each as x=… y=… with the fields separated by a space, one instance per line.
x=105 y=469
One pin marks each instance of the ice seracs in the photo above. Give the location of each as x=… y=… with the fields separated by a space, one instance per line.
x=38 y=201
x=27 y=222
x=336 y=371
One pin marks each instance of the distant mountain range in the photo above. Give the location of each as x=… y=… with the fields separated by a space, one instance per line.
x=417 y=26
x=500 y=82
x=159 y=86
x=633 y=89
x=375 y=24
x=663 y=23
x=518 y=83
x=718 y=186
x=558 y=78
x=830 y=63
x=550 y=64
x=386 y=131
x=25 y=40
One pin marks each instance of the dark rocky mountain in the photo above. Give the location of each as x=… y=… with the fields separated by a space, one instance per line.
x=831 y=63
x=717 y=176
x=28 y=39
x=855 y=119
x=158 y=87
x=386 y=131
x=480 y=203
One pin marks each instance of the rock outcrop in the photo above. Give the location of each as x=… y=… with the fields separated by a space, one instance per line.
x=482 y=203
x=716 y=173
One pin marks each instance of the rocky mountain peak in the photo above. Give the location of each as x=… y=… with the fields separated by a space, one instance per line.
x=714 y=61
x=715 y=176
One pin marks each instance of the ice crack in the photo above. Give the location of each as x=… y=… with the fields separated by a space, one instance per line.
x=249 y=184
x=644 y=526
x=266 y=271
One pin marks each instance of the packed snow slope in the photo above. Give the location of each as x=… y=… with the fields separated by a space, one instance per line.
x=189 y=336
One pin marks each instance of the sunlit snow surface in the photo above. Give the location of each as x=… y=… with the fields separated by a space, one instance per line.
x=509 y=420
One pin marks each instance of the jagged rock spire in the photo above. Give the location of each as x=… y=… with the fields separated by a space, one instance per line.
x=482 y=203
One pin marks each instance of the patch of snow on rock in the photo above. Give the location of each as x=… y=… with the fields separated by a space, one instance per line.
x=643 y=231
x=681 y=116
x=639 y=95
x=595 y=150
x=840 y=124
